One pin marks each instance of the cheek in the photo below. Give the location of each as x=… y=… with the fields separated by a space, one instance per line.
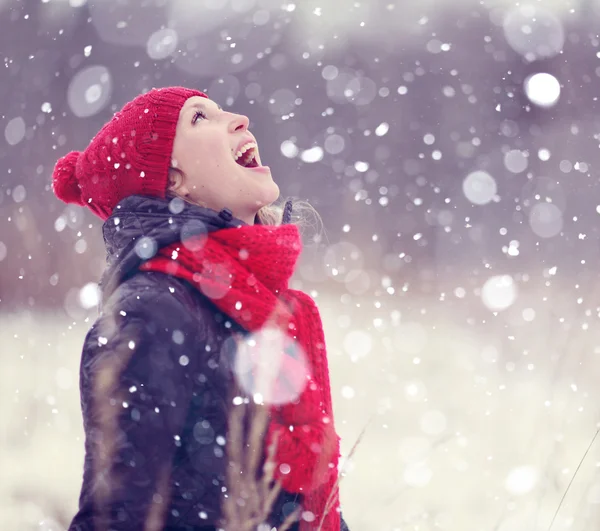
x=210 y=154
x=202 y=152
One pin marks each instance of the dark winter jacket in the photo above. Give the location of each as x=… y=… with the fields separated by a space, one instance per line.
x=155 y=382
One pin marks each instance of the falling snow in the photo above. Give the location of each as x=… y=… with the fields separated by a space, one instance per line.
x=453 y=161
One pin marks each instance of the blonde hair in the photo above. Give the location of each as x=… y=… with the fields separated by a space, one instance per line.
x=304 y=216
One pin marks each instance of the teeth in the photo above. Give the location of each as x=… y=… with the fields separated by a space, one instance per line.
x=244 y=148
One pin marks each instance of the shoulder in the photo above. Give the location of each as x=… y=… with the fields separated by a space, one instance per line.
x=151 y=305
x=152 y=294
x=164 y=301
x=146 y=335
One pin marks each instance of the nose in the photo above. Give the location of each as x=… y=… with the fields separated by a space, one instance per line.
x=238 y=122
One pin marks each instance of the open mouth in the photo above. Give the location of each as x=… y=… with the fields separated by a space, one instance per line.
x=247 y=155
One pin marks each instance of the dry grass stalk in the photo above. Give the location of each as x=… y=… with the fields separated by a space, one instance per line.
x=157 y=515
x=107 y=400
x=104 y=385
x=250 y=494
x=573 y=478
x=333 y=494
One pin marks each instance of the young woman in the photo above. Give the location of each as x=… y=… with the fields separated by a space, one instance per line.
x=198 y=260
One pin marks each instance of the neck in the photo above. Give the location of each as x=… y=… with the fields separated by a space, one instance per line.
x=249 y=219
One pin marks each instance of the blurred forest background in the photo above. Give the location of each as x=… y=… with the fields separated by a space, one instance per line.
x=452 y=149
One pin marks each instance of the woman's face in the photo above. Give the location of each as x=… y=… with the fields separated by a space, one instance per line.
x=208 y=140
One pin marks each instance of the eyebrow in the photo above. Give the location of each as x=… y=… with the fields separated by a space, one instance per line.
x=203 y=106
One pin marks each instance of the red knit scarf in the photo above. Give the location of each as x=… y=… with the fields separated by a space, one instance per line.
x=245 y=272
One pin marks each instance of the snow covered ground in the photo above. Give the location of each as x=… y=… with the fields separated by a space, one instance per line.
x=466 y=434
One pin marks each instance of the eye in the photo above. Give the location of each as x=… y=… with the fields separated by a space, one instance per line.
x=198 y=114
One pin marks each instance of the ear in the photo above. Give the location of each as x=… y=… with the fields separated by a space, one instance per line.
x=177 y=184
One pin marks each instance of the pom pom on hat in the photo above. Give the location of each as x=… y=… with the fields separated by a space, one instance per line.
x=64 y=179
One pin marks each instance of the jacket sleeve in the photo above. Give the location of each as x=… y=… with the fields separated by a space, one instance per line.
x=136 y=387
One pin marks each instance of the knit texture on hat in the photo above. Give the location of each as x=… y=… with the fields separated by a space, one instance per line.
x=129 y=155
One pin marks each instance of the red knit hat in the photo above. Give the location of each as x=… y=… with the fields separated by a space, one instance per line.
x=129 y=155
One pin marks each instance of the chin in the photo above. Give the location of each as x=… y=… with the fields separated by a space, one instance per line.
x=269 y=194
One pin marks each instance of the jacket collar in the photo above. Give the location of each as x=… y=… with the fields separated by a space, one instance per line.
x=139 y=226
